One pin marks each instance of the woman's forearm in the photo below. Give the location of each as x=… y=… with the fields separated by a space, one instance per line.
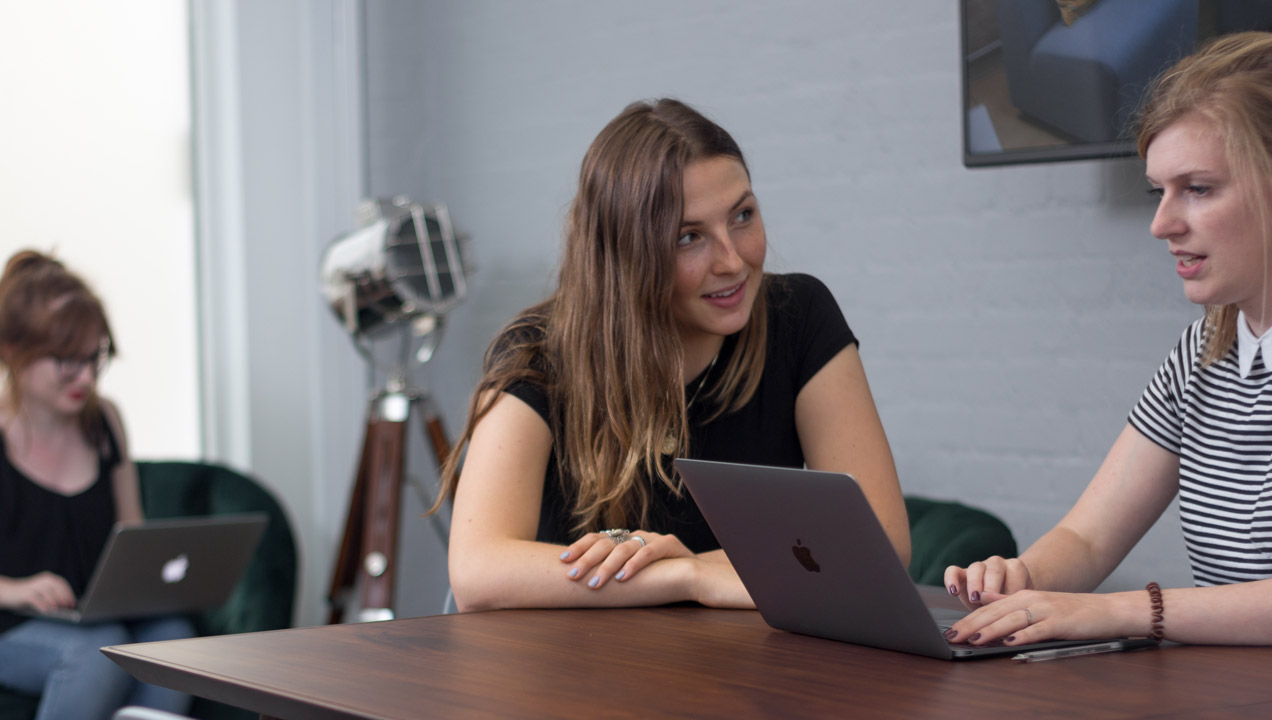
x=519 y=573
x=1061 y=560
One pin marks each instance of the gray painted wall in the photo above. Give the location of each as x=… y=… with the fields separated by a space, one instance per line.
x=1009 y=317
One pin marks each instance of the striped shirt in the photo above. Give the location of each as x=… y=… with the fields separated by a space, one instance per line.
x=1220 y=426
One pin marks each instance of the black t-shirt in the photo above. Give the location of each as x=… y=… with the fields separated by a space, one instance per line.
x=42 y=530
x=805 y=331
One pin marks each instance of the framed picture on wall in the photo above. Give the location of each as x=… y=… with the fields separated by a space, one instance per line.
x=1051 y=80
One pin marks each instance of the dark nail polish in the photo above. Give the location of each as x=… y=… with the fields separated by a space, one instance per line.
x=951 y=634
x=975 y=596
x=953 y=589
x=1010 y=639
x=974 y=638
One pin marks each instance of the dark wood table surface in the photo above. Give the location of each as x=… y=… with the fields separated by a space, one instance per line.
x=674 y=662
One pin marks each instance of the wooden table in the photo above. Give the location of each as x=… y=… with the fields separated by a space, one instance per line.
x=673 y=662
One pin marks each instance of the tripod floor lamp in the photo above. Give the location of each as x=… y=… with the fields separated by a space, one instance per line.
x=400 y=272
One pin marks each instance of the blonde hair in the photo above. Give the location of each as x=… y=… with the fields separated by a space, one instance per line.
x=605 y=346
x=1228 y=82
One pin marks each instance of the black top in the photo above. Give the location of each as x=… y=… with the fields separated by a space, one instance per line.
x=805 y=331
x=42 y=530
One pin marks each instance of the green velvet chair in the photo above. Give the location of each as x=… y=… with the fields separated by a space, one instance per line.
x=946 y=533
x=264 y=598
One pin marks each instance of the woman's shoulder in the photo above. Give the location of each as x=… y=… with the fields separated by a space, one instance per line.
x=114 y=440
x=1192 y=340
x=110 y=411
x=526 y=331
x=798 y=293
x=108 y=406
x=796 y=283
x=518 y=356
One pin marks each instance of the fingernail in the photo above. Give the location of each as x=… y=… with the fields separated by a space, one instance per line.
x=593 y=582
x=975 y=596
x=953 y=589
x=565 y=555
x=574 y=572
x=620 y=575
x=974 y=638
x=1010 y=638
x=951 y=634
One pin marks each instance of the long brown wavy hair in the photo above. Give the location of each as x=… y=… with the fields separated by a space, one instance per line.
x=604 y=345
x=1229 y=83
x=46 y=310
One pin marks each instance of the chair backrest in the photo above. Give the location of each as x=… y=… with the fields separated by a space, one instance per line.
x=264 y=599
x=946 y=533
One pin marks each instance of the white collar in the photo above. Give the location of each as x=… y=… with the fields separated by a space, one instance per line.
x=1248 y=346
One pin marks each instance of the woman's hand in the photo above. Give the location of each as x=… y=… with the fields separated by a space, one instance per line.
x=1033 y=616
x=43 y=591
x=995 y=576
x=620 y=561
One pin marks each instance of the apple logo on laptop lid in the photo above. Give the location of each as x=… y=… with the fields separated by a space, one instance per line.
x=174 y=571
x=805 y=557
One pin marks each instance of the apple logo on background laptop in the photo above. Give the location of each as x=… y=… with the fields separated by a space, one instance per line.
x=174 y=571
x=805 y=557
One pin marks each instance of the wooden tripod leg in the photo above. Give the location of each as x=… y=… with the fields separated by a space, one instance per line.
x=436 y=433
x=345 y=572
x=385 y=469
x=368 y=549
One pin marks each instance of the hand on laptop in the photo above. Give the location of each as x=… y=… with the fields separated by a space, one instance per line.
x=43 y=591
x=1032 y=616
x=998 y=575
x=618 y=554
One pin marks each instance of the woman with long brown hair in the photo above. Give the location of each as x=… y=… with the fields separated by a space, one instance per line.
x=65 y=481
x=664 y=338
x=1202 y=429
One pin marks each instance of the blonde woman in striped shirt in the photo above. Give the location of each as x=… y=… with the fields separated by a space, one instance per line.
x=1203 y=427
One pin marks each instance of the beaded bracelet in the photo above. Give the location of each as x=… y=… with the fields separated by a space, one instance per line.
x=1159 y=611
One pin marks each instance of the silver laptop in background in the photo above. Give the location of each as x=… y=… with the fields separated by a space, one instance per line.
x=177 y=565
x=816 y=561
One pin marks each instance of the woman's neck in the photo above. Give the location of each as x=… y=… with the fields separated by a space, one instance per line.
x=698 y=355
x=1257 y=323
x=35 y=420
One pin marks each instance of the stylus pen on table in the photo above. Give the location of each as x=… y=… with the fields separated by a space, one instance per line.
x=1095 y=649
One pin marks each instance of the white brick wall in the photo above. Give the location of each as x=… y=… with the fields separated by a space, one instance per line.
x=1009 y=317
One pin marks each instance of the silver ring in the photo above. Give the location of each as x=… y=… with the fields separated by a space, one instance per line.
x=618 y=536
x=639 y=539
x=1028 y=618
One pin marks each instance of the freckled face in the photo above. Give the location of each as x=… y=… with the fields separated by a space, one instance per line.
x=719 y=254
x=1207 y=215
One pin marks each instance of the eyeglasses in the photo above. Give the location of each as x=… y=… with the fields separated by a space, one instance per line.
x=69 y=368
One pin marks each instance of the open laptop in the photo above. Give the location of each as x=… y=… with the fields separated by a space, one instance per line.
x=177 y=565
x=816 y=561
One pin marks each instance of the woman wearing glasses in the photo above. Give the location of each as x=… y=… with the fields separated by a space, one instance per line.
x=65 y=480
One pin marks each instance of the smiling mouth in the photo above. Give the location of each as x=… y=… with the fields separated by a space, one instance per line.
x=1190 y=260
x=726 y=293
